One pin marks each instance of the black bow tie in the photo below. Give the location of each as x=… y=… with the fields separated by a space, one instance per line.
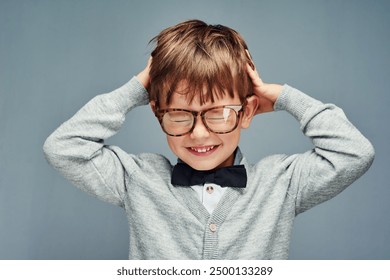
x=232 y=176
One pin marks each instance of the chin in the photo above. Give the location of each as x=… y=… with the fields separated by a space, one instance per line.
x=205 y=165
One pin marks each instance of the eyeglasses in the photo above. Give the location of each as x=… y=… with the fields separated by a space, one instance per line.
x=220 y=119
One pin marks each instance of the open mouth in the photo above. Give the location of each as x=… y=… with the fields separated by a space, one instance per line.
x=204 y=150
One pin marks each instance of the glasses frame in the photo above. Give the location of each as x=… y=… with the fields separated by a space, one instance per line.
x=238 y=109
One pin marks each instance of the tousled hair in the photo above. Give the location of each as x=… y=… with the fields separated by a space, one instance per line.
x=210 y=59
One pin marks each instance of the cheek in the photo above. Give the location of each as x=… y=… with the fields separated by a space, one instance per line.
x=231 y=139
x=170 y=142
x=174 y=142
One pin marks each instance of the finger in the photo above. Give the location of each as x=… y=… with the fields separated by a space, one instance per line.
x=250 y=60
x=254 y=75
x=149 y=62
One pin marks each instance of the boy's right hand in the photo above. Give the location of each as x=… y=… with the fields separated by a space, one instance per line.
x=144 y=77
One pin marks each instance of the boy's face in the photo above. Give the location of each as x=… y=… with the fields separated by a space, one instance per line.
x=201 y=148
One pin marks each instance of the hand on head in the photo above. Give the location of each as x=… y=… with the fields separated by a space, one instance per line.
x=265 y=93
x=143 y=76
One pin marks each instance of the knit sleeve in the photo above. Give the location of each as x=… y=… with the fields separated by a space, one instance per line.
x=341 y=154
x=77 y=150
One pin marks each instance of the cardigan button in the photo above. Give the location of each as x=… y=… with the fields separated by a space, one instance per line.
x=213 y=227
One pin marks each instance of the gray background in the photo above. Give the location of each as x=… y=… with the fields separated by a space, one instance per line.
x=56 y=55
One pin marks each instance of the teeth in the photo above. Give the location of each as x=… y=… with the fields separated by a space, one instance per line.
x=202 y=150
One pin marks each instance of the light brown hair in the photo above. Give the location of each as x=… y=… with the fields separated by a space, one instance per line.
x=205 y=57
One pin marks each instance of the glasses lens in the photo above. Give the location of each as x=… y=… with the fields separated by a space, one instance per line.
x=221 y=120
x=177 y=122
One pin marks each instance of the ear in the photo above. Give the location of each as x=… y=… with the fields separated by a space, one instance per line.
x=153 y=105
x=249 y=111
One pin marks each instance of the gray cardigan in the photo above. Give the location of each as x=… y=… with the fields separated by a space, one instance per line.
x=168 y=222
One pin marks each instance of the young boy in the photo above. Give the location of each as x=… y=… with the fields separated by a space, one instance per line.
x=213 y=204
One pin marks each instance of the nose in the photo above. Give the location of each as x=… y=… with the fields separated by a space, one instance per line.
x=200 y=130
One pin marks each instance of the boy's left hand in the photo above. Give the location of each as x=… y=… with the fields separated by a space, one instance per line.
x=266 y=93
